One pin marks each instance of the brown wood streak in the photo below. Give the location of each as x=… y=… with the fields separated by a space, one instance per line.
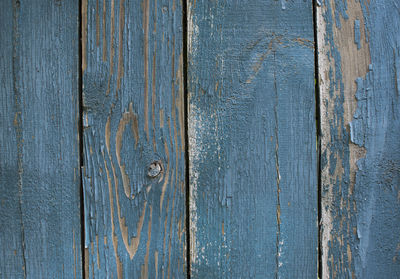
x=173 y=104
x=153 y=82
x=166 y=219
x=180 y=228
x=84 y=6
x=170 y=229
x=180 y=102
x=111 y=70
x=120 y=72
x=161 y=118
x=145 y=266
x=164 y=240
x=97 y=252
x=127 y=117
x=146 y=65
x=86 y=267
x=104 y=32
x=130 y=248
x=175 y=101
x=164 y=187
x=110 y=193
x=156 y=262
x=92 y=251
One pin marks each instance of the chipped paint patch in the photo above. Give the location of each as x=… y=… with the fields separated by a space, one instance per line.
x=195 y=131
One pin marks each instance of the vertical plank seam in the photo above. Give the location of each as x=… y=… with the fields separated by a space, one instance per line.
x=80 y=132
x=318 y=134
x=278 y=177
x=186 y=124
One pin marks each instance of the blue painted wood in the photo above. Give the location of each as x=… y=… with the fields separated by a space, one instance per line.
x=39 y=148
x=133 y=98
x=252 y=139
x=359 y=59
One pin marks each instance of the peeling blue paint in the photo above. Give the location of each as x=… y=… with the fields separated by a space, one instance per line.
x=357 y=33
x=366 y=221
x=378 y=128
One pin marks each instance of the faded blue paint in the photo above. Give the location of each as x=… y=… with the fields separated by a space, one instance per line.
x=378 y=178
x=252 y=135
x=114 y=89
x=252 y=122
x=39 y=158
x=367 y=221
x=357 y=34
x=338 y=145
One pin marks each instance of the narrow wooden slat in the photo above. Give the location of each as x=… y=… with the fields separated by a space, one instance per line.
x=359 y=62
x=133 y=116
x=40 y=228
x=252 y=139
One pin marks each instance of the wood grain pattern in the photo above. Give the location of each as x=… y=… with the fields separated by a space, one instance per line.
x=252 y=139
x=40 y=228
x=133 y=116
x=359 y=58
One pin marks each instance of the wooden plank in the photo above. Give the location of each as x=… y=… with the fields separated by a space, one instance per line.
x=133 y=116
x=252 y=139
x=39 y=158
x=359 y=60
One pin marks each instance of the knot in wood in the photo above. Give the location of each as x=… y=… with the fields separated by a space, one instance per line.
x=154 y=169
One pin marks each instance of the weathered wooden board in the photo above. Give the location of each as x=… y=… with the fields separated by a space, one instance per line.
x=133 y=116
x=359 y=62
x=40 y=228
x=252 y=139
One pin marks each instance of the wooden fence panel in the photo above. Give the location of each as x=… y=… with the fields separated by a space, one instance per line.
x=359 y=62
x=40 y=229
x=133 y=117
x=253 y=119
x=252 y=139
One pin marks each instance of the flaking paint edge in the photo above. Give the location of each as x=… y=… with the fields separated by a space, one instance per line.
x=195 y=138
x=323 y=63
x=350 y=48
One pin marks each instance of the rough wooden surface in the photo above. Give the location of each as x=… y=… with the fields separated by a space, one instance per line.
x=252 y=139
x=359 y=62
x=39 y=148
x=252 y=134
x=133 y=116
